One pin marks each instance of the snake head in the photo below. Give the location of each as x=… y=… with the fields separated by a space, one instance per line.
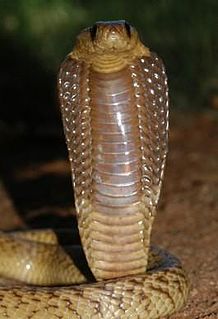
x=109 y=46
x=112 y=36
x=107 y=37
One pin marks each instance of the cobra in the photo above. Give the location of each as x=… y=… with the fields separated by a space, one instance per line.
x=114 y=103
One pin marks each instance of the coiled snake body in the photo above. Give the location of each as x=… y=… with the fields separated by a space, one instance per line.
x=114 y=102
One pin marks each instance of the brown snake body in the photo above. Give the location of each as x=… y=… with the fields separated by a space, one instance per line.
x=114 y=101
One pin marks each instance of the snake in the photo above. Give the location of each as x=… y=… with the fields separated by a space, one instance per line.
x=113 y=96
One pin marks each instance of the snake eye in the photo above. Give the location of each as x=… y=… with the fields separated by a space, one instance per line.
x=128 y=29
x=93 y=32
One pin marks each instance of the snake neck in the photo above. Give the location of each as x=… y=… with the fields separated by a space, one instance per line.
x=115 y=112
x=112 y=62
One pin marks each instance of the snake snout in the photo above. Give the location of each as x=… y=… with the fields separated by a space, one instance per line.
x=114 y=34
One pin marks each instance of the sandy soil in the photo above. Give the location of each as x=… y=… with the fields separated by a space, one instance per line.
x=36 y=192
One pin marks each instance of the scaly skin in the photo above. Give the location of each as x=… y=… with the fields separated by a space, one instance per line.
x=114 y=101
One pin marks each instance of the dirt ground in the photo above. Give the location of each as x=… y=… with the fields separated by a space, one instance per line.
x=35 y=192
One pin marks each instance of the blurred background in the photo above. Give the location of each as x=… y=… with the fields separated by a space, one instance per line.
x=36 y=35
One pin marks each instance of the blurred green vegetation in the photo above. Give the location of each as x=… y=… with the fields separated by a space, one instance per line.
x=35 y=36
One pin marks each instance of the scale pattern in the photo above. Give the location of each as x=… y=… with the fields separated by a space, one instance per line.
x=151 y=93
x=116 y=127
x=152 y=295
